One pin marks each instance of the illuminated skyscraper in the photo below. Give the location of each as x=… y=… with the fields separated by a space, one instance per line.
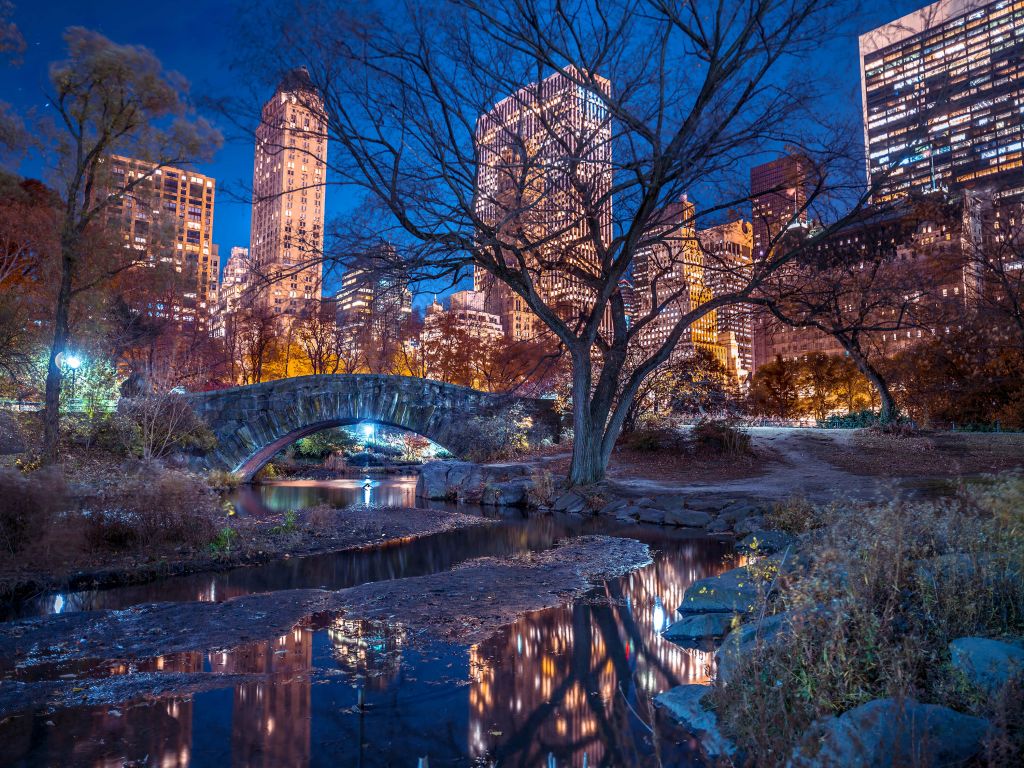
x=288 y=198
x=526 y=144
x=778 y=195
x=167 y=217
x=727 y=253
x=668 y=277
x=942 y=91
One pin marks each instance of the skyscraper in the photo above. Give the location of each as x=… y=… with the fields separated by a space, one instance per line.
x=233 y=283
x=167 y=218
x=525 y=145
x=668 y=278
x=942 y=90
x=373 y=306
x=778 y=195
x=727 y=251
x=288 y=182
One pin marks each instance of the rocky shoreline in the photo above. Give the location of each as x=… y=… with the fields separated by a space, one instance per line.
x=530 y=487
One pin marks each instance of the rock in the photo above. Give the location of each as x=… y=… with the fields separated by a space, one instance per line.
x=987 y=664
x=572 y=502
x=742 y=641
x=718 y=526
x=765 y=542
x=689 y=518
x=683 y=704
x=651 y=515
x=613 y=508
x=734 y=591
x=700 y=626
x=739 y=510
x=433 y=480
x=885 y=732
x=749 y=525
x=511 y=493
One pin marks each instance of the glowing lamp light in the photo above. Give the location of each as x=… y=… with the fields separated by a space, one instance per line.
x=73 y=361
x=367 y=429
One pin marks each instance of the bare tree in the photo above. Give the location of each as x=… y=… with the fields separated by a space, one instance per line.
x=539 y=143
x=107 y=99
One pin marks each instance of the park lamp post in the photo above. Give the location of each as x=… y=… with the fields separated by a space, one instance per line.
x=73 y=362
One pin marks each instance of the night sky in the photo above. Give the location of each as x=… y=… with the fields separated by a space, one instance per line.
x=195 y=38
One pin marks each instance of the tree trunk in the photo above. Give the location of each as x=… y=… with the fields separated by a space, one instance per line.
x=887 y=411
x=54 y=375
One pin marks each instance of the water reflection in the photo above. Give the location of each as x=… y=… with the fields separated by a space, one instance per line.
x=569 y=682
x=283 y=495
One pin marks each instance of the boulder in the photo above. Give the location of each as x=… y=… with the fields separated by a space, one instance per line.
x=688 y=518
x=749 y=525
x=987 y=664
x=742 y=641
x=572 y=502
x=885 y=732
x=734 y=591
x=739 y=510
x=718 y=526
x=511 y=493
x=683 y=705
x=613 y=508
x=700 y=627
x=651 y=515
x=765 y=542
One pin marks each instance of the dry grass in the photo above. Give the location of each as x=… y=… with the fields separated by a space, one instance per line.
x=925 y=454
x=889 y=587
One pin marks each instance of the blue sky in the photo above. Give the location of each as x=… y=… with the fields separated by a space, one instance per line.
x=196 y=39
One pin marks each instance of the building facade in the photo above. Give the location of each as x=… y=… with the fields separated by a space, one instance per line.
x=728 y=255
x=165 y=215
x=233 y=282
x=668 y=280
x=942 y=91
x=289 y=174
x=528 y=201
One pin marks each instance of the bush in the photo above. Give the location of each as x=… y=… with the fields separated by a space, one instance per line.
x=857 y=420
x=796 y=515
x=720 y=437
x=158 y=424
x=542 y=488
x=222 y=480
x=494 y=438
x=873 y=614
x=169 y=509
x=28 y=506
x=654 y=439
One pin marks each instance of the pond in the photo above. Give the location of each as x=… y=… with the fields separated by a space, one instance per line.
x=565 y=686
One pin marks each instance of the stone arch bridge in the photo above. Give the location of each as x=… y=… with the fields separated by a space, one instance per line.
x=252 y=423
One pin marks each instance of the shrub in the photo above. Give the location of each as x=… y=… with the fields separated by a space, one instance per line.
x=147 y=511
x=542 y=488
x=160 y=423
x=856 y=420
x=223 y=541
x=873 y=613
x=653 y=439
x=222 y=480
x=795 y=515
x=494 y=438
x=28 y=506
x=720 y=437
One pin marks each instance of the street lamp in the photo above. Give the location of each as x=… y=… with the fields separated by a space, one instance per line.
x=73 y=362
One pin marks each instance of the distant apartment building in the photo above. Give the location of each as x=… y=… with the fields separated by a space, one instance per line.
x=523 y=143
x=289 y=174
x=373 y=306
x=467 y=311
x=628 y=294
x=230 y=293
x=668 y=278
x=728 y=255
x=165 y=215
x=942 y=90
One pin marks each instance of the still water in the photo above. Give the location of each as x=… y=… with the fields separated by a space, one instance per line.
x=566 y=686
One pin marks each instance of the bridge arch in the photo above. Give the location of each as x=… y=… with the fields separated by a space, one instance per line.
x=252 y=423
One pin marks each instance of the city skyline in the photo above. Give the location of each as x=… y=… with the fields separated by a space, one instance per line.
x=192 y=41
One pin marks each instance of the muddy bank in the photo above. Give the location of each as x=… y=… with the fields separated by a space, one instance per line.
x=465 y=604
x=255 y=542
